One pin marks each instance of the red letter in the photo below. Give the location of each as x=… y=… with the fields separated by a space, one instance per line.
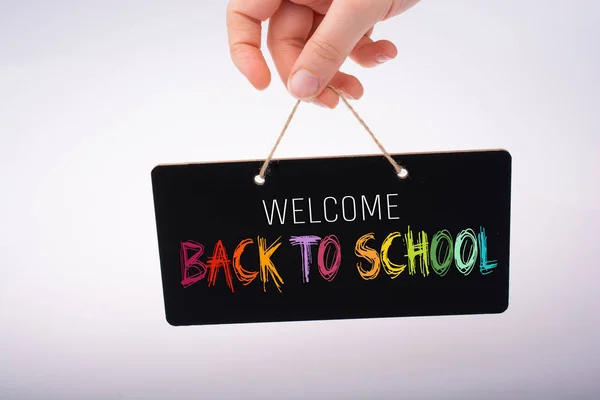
x=191 y=264
x=219 y=259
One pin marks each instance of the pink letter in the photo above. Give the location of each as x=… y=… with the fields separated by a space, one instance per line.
x=328 y=273
x=192 y=269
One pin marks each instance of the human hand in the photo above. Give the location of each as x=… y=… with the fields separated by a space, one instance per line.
x=309 y=40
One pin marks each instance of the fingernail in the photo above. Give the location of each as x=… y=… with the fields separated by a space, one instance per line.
x=346 y=95
x=303 y=84
x=381 y=58
x=318 y=103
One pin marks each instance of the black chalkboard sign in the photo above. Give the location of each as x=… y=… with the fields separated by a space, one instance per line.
x=334 y=238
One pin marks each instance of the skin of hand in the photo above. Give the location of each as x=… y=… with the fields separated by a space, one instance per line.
x=309 y=40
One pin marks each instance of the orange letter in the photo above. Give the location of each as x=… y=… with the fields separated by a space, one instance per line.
x=361 y=250
x=219 y=259
x=266 y=265
x=243 y=276
x=390 y=268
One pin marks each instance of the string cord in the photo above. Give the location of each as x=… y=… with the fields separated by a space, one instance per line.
x=400 y=171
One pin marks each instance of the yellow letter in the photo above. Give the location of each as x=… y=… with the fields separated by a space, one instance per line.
x=421 y=248
x=390 y=268
x=361 y=250
x=266 y=265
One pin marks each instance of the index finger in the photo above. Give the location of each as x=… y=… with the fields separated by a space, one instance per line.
x=345 y=23
x=244 y=30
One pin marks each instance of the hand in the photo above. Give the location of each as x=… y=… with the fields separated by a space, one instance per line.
x=309 y=40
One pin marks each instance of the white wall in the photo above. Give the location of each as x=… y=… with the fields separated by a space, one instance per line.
x=93 y=94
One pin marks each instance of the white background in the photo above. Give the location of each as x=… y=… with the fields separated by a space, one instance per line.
x=94 y=94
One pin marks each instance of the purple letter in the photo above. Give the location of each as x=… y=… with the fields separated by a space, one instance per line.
x=305 y=242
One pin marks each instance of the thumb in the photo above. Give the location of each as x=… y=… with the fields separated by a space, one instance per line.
x=342 y=27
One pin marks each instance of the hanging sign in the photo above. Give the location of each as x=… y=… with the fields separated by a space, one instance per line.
x=334 y=238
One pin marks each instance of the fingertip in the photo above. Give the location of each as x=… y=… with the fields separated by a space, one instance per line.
x=382 y=58
x=375 y=53
x=328 y=98
x=256 y=72
x=262 y=82
x=349 y=85
x=386 y=51
x=389 y=48
x=316 y=102
x=303 y=85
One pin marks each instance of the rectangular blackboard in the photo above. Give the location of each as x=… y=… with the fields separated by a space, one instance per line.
x=334 y=238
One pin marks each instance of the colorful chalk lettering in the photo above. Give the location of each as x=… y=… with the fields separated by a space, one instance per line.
x=267 y=268
x=393 y=270
x=441 y=267
x=485 y=266
x=462 y=247
x=305 y=242
x=219 y=260
x=361 y=250
x=464 y=251
x=192 y=270
x=244 y=276
x=328 y=272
